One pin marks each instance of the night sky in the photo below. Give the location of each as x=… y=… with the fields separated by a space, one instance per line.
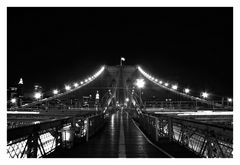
x=53 y=46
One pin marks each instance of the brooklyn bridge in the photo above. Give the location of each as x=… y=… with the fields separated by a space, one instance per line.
x=122 y=119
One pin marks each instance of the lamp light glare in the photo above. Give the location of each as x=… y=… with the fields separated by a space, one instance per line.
x=205 y=94
x=230 y=100
x=67 y=87
x=175 y=87
x=140 y=83
x=13 y=100
x=75 y=85
x=55 y=91
x=37 y=95
x=186 y=90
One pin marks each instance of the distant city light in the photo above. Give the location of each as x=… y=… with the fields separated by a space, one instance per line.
x=140 y=83
x=166 y=84
x=230 y=100
x=75 y=85
x=20 y=81
x=186 y=90
x=13 y=100
x=67 y=87
x=37 y=95
x=97 y=96
x=55 y=91
x=205 y=94
x=175 y=87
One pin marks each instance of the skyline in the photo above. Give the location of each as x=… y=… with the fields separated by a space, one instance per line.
x=52 y=46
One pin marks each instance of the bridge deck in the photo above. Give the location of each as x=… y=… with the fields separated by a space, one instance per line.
x=120 y=138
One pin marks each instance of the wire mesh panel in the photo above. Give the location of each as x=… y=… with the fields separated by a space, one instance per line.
x=35 y=140
x=17 y=148
x=47 y=143
x=206 y=140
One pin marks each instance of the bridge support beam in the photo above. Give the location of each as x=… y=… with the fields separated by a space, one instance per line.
x=32 y=145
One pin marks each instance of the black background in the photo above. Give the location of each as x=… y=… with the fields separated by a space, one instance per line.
x=52 y=46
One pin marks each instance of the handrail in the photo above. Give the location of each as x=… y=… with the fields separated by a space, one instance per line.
x=19 y=132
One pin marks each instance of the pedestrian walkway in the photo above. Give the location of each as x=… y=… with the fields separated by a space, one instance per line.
x=120 y=138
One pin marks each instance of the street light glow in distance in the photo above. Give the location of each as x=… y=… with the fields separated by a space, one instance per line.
x=175 y=87
x=75 y=85
x=140 y=83
x=205 y=94
x=13 y=100
x=55 y=91
x=230 y=100
x=67 y=87
x=186 y=90
x=37 y=95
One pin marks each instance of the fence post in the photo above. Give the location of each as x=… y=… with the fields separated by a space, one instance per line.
x=58 y=136
x=87 y=131
x=73 y=123
x=156 y=128
x=170 y=129
x=32 y=145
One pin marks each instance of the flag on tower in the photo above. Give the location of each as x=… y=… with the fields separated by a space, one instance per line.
x=122 y=58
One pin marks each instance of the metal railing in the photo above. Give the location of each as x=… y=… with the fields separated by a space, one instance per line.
x=40 y=139
x=205 y=140
x=35 y=140
x=170 y=104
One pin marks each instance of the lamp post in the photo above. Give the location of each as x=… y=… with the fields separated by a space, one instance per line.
x=140 y=83
x=38 y=95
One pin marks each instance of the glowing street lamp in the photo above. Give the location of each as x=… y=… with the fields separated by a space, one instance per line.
x=75 y=85
x=175 y=87
x=205 y=95
x=140 y=83
x=230 y=100
x=166 y=84
x=67 y=87
x=127 y=99
x=13 y=100
x=55 y=91
x=186 y=90
x=37 y=95
x=81 y=82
